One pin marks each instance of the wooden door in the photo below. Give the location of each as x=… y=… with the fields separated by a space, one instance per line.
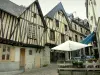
x=37 y=62
x=22 y=57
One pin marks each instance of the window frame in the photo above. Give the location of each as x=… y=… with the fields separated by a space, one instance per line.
x=5 y=53
x=52 y=35
x=66 y=27
x=76 y=38
x=62 y=38
x=31 y=31
x=30 y=52
x=57 y=23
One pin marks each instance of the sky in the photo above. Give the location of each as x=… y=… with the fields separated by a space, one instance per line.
x=77 y=7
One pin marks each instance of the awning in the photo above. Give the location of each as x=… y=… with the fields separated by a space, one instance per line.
x=88 y=39
x=70 y=46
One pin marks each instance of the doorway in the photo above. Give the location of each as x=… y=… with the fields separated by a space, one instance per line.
x=22 y=57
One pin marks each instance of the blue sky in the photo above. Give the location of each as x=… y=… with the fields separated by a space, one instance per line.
x=70 y=6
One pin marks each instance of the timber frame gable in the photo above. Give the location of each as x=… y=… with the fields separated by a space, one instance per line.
x=18 y=27
x=8 y=28
x=57 y=29
x=32 y=26
x=40 y=12
x=58 y=7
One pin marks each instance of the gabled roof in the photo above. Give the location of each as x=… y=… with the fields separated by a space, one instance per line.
x=11 y=7
x=40 y=12
x=58 y=7
x=17 y=10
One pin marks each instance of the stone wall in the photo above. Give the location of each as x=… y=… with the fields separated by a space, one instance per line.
x=9 y=66
x=46 y=55
x=35 y=60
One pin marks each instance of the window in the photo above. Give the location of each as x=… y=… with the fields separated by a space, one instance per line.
x=76 y=39
x=75 y=27
x=80 y=38
x=81 y=30
x=0 y=14
x=87 y=32
x=62 y=38
x=30 y=52
x=6 y=53
x=57 y=23
x=70 y=38
x=65 y=27
x=31 y=31
x=52 y=35
x=34 y=15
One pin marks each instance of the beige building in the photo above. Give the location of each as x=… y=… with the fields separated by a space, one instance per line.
x=22 y=35
x=26 y=38
x=79 y=29
x=57 y=30
x=60 y=28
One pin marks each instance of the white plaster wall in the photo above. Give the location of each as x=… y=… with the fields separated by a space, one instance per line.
x=17 y=54
x=30 y=62
x=29 y=59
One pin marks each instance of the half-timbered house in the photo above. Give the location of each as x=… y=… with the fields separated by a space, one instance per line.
x=57 y=31
x=22 y=36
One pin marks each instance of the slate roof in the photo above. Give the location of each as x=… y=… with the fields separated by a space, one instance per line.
x=16 y=10
x=10 y=7
x=83 y=23
x=58 y=7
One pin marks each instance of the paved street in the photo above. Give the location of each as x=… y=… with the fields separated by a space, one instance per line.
x=50 y=70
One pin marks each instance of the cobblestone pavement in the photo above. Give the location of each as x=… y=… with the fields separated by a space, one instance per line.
x=50 y=70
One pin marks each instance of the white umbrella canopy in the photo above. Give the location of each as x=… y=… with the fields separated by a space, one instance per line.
x=70 y=46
